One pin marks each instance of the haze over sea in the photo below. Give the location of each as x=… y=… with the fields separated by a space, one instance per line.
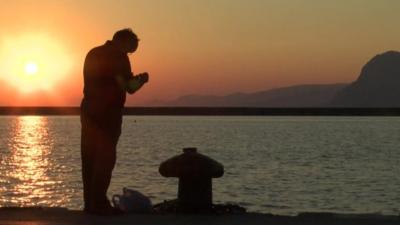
x=282 y=165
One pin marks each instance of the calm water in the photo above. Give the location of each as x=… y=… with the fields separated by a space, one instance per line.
x=280 y=165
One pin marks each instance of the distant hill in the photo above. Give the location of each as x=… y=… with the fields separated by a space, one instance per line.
x=377 y=86
x=294 y=96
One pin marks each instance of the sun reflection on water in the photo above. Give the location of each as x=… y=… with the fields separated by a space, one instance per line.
x=28 y=162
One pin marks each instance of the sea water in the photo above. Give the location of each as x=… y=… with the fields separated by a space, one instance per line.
x=282 y=165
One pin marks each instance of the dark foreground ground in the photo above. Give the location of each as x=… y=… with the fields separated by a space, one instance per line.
x=50 y=216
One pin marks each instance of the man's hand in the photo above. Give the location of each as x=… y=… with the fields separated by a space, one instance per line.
x=143 y=77
x=136 y=82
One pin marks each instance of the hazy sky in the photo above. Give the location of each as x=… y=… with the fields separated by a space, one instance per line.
x=191 y=46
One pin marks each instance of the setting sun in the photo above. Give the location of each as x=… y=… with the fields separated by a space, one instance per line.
x=31 y=68
x=33 y=62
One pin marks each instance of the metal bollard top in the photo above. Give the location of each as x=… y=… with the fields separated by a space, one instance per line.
x=191 y=164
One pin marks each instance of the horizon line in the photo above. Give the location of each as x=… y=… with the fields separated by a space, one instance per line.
x=210 y=111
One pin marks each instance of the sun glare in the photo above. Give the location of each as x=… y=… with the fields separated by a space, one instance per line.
x=33 y=62
x=31 y=68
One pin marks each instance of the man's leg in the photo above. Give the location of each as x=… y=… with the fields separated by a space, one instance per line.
x=87 y=158
x=99 y=139
x=102 y=173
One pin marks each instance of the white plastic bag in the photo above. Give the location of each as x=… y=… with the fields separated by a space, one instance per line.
x=132 y=201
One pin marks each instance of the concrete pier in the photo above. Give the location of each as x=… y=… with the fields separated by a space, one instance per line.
x=61 y=216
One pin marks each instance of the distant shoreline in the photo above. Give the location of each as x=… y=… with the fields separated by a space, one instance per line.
x=211 y=111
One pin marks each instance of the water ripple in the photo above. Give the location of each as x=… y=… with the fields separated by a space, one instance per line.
x=280 y=165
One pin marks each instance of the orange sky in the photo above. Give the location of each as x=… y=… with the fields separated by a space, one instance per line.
x=190 y=46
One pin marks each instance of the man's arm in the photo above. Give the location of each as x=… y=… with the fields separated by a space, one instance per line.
x=126 y=80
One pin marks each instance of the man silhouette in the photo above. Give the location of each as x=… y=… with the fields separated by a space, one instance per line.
x=107 y=78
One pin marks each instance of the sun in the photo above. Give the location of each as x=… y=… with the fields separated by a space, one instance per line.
x=31 y=68
x=34 y=62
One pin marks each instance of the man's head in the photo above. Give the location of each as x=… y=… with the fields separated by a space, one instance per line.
x=126 y=40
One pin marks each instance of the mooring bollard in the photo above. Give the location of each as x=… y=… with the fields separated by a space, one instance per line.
x=195 y=172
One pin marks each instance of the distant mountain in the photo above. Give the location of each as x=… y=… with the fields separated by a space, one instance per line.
x=377 y=86
x=294 y=96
